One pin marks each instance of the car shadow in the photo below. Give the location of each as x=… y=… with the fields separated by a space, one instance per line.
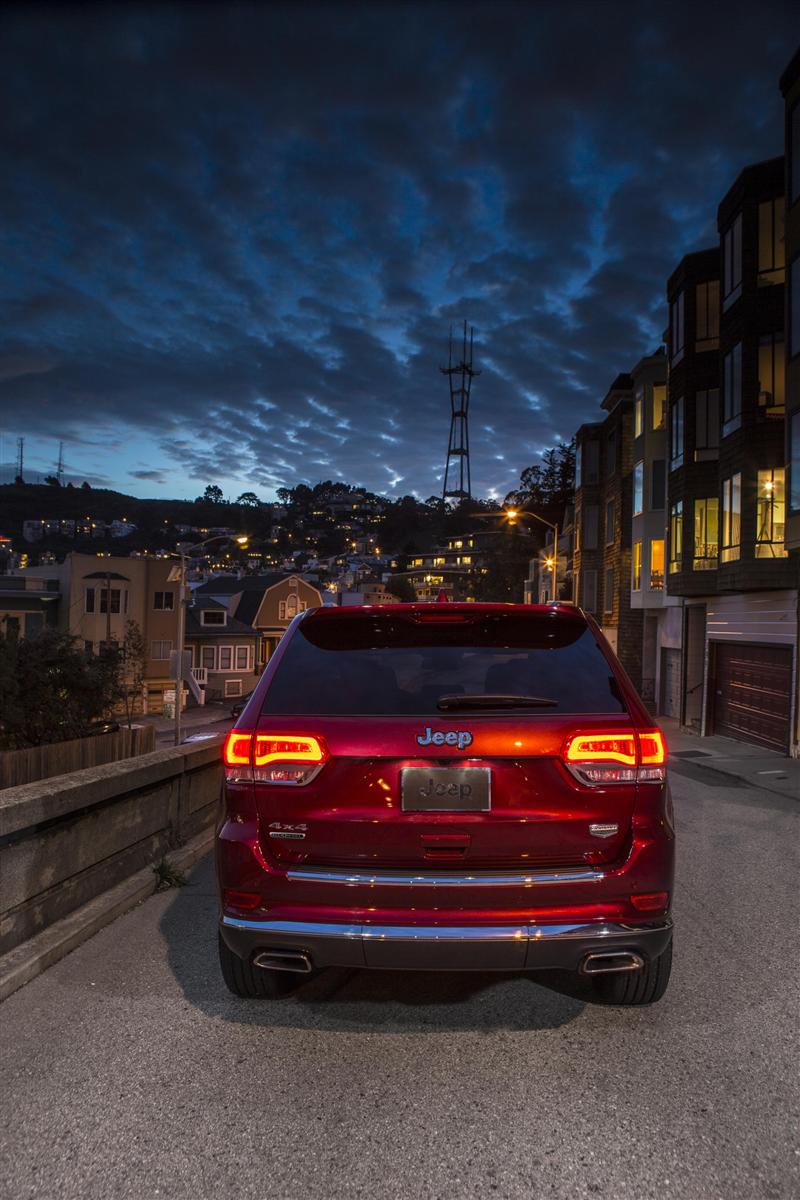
x=341 y=999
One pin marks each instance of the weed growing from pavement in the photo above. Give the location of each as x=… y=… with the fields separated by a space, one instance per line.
x=168 y=876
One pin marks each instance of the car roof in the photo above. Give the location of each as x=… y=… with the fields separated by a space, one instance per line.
x=558 y=608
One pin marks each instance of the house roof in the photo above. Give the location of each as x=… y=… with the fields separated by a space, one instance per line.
x=229 y=585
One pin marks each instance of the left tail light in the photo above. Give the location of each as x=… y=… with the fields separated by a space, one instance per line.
x=628 y=756
x=272 y=757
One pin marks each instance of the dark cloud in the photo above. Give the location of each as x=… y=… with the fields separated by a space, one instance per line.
x=242 y=233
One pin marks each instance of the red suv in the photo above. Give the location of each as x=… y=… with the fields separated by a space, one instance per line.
x=446 y=787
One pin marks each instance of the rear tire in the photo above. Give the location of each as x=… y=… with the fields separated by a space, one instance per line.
x=645 y=986
x=254 y=983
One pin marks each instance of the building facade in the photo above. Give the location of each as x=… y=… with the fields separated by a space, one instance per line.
x=727 y=561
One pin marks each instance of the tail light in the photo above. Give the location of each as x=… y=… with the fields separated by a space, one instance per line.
x=616 y=757
x=272 y=757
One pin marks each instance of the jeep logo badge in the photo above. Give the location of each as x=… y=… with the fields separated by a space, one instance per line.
x=452 y=737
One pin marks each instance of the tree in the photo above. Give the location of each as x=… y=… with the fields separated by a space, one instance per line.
x=212 y=494
x=86 y=486
x=549 y=484
x=50 y=690
x=250 y=499
x=401 y=587
x=131 y=655
x=52 y=480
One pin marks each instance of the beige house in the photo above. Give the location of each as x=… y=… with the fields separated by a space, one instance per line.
x=99 y=595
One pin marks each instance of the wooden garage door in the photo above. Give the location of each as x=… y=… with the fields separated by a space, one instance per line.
x=751 y=693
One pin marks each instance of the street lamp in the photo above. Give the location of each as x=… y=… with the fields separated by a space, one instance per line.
x=513 y=514
x=178 y=575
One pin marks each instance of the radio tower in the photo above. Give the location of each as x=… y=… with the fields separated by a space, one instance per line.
x=60 y=467
x=20 y=459
x=457 y=471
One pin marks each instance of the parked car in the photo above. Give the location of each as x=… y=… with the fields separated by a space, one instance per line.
x=447 y=787
x=238 y=708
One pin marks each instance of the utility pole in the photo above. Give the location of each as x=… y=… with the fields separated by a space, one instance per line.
x=460 y=379
x=60 y=466
x=181 y=640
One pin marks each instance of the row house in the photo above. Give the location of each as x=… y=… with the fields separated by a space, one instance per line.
x=450 y=567
x=604 y=496
x=727 y=560
x=266 y=603
x=790 y=89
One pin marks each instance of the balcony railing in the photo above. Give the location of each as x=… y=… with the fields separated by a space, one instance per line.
x=200 y=674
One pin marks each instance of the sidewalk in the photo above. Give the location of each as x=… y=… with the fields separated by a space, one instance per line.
x=205 y=714
x=753 y=765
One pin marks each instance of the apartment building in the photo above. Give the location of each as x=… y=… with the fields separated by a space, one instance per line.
x=450 y=567
x=790 y=89
x=604 y=495
x=726 y=557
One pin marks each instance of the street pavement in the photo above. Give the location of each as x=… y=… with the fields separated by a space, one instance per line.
x=128 y=1070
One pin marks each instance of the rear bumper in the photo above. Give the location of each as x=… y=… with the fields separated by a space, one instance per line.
x=446 y=948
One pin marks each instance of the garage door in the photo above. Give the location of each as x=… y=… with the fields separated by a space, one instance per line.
x=751 y=693
x=670 y=682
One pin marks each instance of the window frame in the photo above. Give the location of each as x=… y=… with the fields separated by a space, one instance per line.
x=730 y=518
x=732 y=263
x=675 y=563
x=702 y=511
x=636 y=567
x=768 y=503
x=656 y=586
x=732 y=390
x=677 y=433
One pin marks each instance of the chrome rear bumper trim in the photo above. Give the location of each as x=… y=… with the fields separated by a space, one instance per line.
x=439 y=879
x=442 y=933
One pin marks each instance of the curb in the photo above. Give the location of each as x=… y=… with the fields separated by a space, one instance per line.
x=22 y=964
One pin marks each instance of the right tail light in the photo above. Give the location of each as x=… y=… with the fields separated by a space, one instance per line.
x=625 y=756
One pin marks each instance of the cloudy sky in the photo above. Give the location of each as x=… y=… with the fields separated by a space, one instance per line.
x=233 y=239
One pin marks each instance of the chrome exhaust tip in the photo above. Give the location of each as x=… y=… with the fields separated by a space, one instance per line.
x=283 y=960
x=606 y=964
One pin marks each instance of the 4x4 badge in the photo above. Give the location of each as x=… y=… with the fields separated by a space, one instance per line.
x=451 y=737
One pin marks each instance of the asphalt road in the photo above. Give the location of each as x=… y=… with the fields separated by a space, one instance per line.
x=128 y=1071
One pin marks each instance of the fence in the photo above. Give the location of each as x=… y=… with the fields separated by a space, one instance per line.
x=18 y=767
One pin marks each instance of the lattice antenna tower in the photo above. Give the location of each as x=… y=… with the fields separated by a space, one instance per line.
x=20 y=458
x=60 y=466
x=457 y=475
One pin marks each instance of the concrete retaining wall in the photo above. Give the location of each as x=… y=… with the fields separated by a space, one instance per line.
x=67 y=840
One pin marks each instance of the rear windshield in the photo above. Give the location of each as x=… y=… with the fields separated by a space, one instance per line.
x=394 y=666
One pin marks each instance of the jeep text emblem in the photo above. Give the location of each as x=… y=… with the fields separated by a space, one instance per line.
x=453 y=737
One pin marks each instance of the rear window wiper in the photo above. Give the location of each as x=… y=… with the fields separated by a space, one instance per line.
x=457 y=701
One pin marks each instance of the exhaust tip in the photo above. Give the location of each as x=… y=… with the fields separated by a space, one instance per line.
x=283 y=960
x=606 y=964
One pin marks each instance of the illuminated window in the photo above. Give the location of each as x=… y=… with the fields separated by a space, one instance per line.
x=465 y=559
x=707 y=323
x=676 y=434
x=706 y=534
x=439 y=561
x=675 y=537
x=732 y=390
x=657 y=565
x=732 y=263
x=638 y=413
x=771 y=245
x=771 y=514
x=731 y=518
x=416 y=562
x=637 y=566
x=638 y=488
x=771 y=373
x=659 y=404
x=676 y=328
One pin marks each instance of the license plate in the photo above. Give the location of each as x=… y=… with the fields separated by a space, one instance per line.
x=445 y=789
